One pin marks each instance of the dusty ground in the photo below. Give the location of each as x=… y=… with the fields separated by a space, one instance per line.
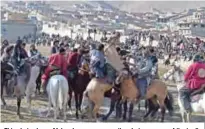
x=39 y=108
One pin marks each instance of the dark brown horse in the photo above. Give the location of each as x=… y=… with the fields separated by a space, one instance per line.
x=78 y=85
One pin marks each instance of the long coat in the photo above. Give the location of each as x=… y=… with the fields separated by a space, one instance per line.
x=192 y=78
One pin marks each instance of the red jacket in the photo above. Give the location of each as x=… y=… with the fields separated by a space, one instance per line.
x=56 y=60
x=192 y=78
x=73 y=59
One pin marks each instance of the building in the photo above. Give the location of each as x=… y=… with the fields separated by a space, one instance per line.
x=192 y=29
x=11 y=30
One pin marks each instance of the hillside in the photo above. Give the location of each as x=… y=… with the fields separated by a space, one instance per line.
x=136 y=6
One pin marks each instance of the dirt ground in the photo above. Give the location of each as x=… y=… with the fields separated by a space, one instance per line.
x=39 y=107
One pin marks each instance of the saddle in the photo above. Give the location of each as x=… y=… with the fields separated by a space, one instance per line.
x=109 y=72
x=55 y=71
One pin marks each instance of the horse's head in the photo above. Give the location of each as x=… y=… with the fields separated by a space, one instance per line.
x=125 y=74
x=176 y=75
x=84 y=67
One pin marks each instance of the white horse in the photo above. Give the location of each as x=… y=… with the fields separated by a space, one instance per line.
x=177 y=75
x=57 y=89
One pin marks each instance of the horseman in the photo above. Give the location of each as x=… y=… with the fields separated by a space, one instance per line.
x=55 y=48
x=144 y=73
x=6 y=56
x=195 y=81
x=73 y=61
x=19 y=53
x=154 y=70
x=98 y=62
x=92 y=49
x=56 y=62
x=5 y=43
x=33 y=51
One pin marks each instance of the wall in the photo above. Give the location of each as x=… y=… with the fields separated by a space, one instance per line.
x=198 y=32
x=11 y=30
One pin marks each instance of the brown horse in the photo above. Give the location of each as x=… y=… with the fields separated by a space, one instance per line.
x=96 y=89
x=157 y=95
x=78 y=86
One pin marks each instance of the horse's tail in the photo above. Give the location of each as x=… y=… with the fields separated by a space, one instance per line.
x=169 y=103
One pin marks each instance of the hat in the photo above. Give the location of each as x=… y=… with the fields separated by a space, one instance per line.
x=19 y=41
x=61 y=50
x=197 y=58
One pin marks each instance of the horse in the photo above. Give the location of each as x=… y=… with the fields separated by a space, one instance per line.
x=177 y=75
x=81 y=81
x=94 y=93
x=57 y=89
x=26 y=81
x=131 y=63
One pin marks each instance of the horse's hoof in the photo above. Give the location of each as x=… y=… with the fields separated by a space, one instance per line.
x=82 y=116
x=104 y=118
x=129 y=120
x=20 y=116
x=143 y=119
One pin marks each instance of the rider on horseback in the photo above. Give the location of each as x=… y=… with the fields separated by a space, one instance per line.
x=5 y=43
x=154 y=71
x=144 y=73
x=33 y=51
x=98 y=62
x=195 y=82
x=56 y=62
x=19 y=53
x=6 y=56
x=73 y=61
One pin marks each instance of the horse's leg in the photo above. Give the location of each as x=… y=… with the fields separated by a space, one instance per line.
x=139 y=106
x=125 y=110
x=188 y=115
x=146 y=105
x=64 y=109
x=149 y=111
x=80 y=101
x=76 y=105
x=112 y=106
x=2 y=95
x=70 y=97
x=183 y=115
x=154 y=111
x=49 y=106
x=162 y=107
x=56 y=112
x=19 y=106
x=28 y=97
x=95 y=110
x=118 y=109
x=130 y=111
